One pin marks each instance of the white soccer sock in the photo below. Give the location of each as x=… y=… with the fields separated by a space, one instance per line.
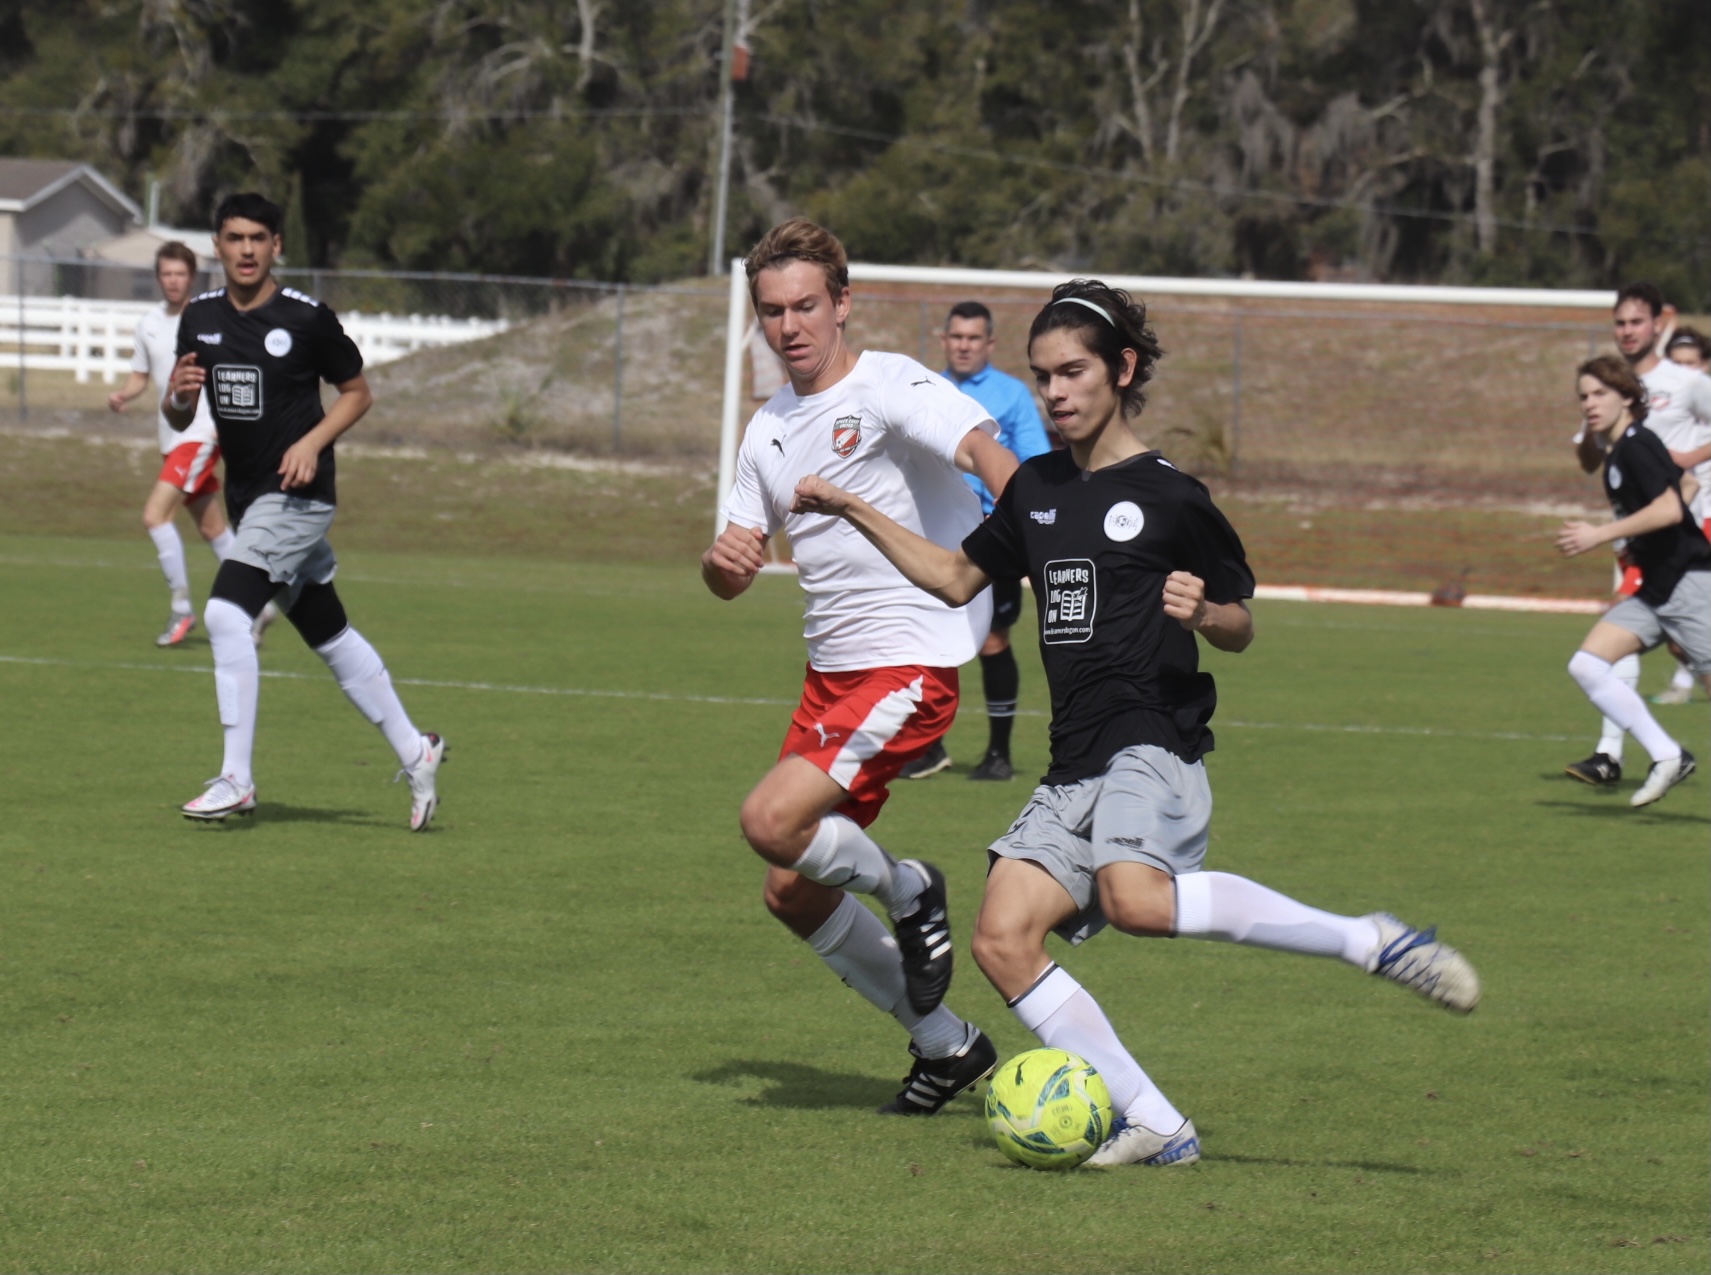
x=222 y=544
x=1230 y=909
x=169 y=548
x=1610 y=739
x=841 y=855
x=367 y=684
x=1621 y=704
x=853 y=942
x=1059 y=1011
x=1681 y=680
x=237 y=683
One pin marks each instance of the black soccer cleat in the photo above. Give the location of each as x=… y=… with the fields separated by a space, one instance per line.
x=932 y=1082
x=994 y=768
x=928 y=763
x=1597 y=769
x=924 y=941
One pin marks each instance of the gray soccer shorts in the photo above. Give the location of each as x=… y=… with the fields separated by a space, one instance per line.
x=1686 y=618
x=286 y=536
x=1149 y=806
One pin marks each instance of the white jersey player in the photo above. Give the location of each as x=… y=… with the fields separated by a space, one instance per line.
x=187 y=474
x=883 y=657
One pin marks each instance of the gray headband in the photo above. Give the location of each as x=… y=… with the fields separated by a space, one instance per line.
x=1097 y=309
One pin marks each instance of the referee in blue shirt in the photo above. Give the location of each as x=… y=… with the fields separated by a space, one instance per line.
x=968 y=342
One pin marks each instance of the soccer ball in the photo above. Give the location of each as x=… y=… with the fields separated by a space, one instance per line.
x=1048 y=1109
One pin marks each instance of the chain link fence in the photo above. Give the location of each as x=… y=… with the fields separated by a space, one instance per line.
x=1334 y=402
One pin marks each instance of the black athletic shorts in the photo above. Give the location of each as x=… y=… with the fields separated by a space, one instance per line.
x=1006 y=603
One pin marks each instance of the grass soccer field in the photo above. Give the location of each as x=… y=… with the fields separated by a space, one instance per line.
x=559 y=1032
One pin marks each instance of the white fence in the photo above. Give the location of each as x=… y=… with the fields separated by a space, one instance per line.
x=95 y=338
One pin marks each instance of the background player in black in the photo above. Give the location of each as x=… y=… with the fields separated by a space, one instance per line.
x=1643 y=484
x=259 y=352
x=1129 y=559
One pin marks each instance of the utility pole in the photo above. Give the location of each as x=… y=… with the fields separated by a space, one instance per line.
x=727 y=105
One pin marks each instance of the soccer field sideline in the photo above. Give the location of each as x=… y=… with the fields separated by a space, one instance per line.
x=583 y=692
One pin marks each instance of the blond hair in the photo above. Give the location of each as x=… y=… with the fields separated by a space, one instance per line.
x=800 y=240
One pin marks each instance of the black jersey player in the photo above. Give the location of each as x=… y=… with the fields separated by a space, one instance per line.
x=1643 y=484
x=259 y=352
x=1129 y=559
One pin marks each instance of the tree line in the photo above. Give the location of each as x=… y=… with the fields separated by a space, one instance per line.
x=1541 y=142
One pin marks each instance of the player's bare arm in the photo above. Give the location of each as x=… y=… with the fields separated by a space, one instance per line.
x=947 y=574
x=987 y=459
x=185 y=387
x=1578 y=537
x=1229 y=626
x=1689 y=459
x=134 y=385
x=733 y=560
x=302 y=459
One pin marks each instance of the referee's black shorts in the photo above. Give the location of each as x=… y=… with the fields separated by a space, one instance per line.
x=1006 y=604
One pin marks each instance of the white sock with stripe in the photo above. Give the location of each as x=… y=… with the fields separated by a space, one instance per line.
x=853 y=942
x=1059 y=1011
x=844 y=857
x=237 y=683
x=1230 y=909
x=169 y=548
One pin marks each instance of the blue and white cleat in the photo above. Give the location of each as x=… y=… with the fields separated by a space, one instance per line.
x=1137 y=1144
x=1416 y=959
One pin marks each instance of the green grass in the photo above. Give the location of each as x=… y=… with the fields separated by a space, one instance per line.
x=560 y=1033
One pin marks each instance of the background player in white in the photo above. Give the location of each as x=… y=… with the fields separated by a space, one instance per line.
x=258 y=354
x=1679 y=413
x=188 y=477
x=1643 y=483
x=882 y=680
x=1129 y=559
x=968 y=341
x=1691 y=348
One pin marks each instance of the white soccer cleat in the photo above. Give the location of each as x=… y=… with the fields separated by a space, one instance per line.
x=223 y=796
x=1416 y=959
x=1663 y=776
x=1137 y=1144
x=424 y=798
x=1673 y=694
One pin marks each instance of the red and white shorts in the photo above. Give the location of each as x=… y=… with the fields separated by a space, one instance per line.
x=864 y=726
x=190 y=468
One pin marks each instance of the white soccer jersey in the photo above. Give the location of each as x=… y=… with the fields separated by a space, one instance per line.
x=1681 y=415
x=156 y=352
x=888 y=432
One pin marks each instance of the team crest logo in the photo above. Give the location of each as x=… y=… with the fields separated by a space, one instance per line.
x=846 y=434
x=278 y=343
x=1124 y=520
x=1615 y=477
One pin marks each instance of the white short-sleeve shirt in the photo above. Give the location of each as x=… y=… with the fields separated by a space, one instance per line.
x=888 y=432
x=1680 y=414
x=155 y=354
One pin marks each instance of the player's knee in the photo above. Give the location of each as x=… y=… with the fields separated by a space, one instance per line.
x=1144 y=914
x=1000 y=949
x=769 y=829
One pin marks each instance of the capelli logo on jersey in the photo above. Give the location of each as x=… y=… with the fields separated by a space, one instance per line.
x=210 y=338
x=1660 y=400
x=1045 y=517
x=846 y=434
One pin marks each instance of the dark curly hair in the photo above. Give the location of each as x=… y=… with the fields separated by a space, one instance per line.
x=1108 y=321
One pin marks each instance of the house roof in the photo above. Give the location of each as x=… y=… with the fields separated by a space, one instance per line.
x=24 y=183
x=136 y=247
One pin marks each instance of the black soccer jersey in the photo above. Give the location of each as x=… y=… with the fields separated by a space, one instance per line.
x=1097 y=545
x=265 y=367
x=1637 y=470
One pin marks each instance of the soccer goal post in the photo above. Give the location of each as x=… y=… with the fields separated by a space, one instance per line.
x=938 y=279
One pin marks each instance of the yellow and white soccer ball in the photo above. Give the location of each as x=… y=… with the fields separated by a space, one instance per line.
x=1048 y=1109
